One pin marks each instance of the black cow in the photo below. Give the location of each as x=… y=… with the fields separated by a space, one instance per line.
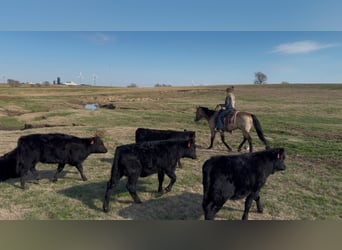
x=146 y=158
x=146 y=134
x=55 y=148
x=8 y=165
x=238 y=176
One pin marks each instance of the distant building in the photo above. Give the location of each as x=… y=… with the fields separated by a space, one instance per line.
x=71 y=83
x=59 y=80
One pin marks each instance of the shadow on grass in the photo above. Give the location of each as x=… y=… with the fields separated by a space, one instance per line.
x=90 y=192
x=43 y=174
x=186 y=206
x=178 y=207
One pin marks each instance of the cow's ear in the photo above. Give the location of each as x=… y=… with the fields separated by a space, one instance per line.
x=92 y=142
x=280 y=153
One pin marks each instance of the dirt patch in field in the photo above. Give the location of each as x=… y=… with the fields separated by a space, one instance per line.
x=12 y=110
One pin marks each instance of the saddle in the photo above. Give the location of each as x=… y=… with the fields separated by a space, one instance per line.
x=229 y=119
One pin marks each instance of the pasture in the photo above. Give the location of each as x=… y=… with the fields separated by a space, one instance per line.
x=304 y=119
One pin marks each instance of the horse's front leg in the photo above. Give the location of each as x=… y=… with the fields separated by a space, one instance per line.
x=224 y=142
x=212 y=137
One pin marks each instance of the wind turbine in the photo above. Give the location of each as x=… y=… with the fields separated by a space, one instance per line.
x=94 y=79
x=80 y=76
x=3 y=78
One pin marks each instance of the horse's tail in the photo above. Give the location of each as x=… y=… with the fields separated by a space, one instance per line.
x=259 y=131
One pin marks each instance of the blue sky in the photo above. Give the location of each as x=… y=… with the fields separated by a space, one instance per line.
x=170 y=42
x=166 y=15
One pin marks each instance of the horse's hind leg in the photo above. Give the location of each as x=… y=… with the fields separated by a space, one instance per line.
x=241 y=144
x=246 y=137
x=224 y=142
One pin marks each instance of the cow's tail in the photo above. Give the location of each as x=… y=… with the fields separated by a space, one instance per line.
x=259 y=131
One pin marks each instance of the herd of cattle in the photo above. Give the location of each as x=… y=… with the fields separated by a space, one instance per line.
x=155 y=151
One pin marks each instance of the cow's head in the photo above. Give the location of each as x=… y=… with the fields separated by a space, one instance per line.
x=97 y=146
x=279 y=157
x=190 y=148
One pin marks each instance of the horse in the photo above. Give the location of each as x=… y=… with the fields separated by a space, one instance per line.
x=243 y=121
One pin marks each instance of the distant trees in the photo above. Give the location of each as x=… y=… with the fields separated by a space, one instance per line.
x=132 y=85
x=260 y=78
x=162 y=85
x=13 y=83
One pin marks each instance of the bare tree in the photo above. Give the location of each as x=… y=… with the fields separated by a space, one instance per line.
x=260 y=78
x=13 y=83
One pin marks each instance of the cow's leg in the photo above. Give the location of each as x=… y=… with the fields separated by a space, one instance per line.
x=23 y=170
x=208 y=208
x=23 y=173
x=111 y=184
x=208 y=211
x=224 y=142
x=80 y=169
x=22 y=180
x=260 y=209
x=35 y=174
x=171 y=174
x=59 y=169
x=161 y=175
x=211 y=208
x=248 y=204
x=132 y=186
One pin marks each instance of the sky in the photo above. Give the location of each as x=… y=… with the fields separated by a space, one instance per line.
x=188 y=42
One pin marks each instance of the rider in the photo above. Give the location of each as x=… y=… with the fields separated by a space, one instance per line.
x=226 y=108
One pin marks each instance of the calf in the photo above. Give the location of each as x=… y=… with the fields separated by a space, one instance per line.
x=55 y=148
x=144 y=159
x=146 y=134
x=8 y=165
x=236 y=177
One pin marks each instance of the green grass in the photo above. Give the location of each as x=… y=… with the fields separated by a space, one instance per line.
x=9 y=122
x=304 y=119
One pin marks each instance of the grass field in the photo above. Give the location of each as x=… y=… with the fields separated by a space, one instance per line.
x=304 y=119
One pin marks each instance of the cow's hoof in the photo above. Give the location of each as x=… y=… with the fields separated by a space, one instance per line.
x=105 y=208
x=54 y=180
x=84 y=178
x=260 y=211
x=159 y=193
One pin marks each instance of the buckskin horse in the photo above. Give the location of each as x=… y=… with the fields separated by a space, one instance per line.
x=242 y=120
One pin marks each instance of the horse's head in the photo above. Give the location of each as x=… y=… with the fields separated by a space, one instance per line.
x=198 y=114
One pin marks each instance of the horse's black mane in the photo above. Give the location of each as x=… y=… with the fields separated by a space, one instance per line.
x=208 y=112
